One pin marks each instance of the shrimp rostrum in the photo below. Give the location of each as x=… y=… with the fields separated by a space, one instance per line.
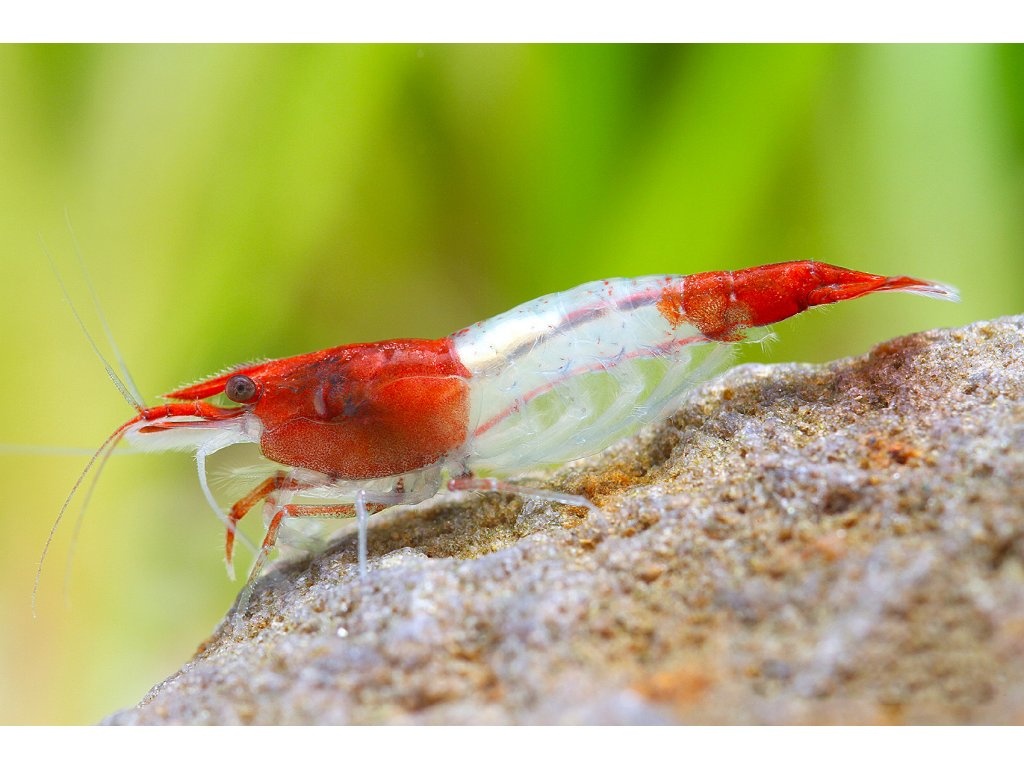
x=362 y=427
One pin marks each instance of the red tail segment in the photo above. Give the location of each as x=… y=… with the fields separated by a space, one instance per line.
x=722 y=304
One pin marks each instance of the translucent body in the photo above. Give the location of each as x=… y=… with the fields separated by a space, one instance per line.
x=358 y=428
x=565 y=375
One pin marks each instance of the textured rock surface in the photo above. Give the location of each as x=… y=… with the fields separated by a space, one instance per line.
x=842 y=543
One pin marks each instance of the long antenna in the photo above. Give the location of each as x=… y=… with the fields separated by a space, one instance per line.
x=130 y=383
x=22 y=449
x=106 y=452
x=135 y=402
x=74 y=489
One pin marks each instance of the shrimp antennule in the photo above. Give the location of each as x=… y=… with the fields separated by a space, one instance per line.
x=129 y=393
x=128 y=381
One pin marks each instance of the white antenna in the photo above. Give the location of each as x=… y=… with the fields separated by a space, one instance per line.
x=67 y=501
x=129 y=382
x=129 y=392
x=135 y=402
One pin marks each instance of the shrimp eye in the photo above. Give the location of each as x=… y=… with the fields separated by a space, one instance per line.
x=241 y=389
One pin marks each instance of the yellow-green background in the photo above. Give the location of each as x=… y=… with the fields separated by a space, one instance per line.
x=236 y=202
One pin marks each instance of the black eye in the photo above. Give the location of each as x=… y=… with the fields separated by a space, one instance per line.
x=241 y=389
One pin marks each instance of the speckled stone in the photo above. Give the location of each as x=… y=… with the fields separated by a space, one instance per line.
x=799 y=544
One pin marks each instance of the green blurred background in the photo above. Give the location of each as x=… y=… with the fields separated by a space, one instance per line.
x=236 y=202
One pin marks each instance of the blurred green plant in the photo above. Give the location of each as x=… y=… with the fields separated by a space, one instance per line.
x=236 y=202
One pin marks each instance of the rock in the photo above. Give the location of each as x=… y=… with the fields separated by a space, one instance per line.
x=799 y=544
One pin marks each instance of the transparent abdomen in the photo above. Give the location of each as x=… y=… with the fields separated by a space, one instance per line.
x=566 y=375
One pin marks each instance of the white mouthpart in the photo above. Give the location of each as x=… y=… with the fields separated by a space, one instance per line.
x=203 y=437
x=186 y=434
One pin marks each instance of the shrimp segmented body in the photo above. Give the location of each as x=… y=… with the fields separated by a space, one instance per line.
x=362 y=427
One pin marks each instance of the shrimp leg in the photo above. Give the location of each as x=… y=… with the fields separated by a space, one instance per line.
x=365 y=503
x=270 y=539
x=276 y=482
x=299 y=510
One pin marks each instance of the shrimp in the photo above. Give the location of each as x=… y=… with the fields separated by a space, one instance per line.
x=364 y=427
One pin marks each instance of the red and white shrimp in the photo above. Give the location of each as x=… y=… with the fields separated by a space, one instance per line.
x=363 y=427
